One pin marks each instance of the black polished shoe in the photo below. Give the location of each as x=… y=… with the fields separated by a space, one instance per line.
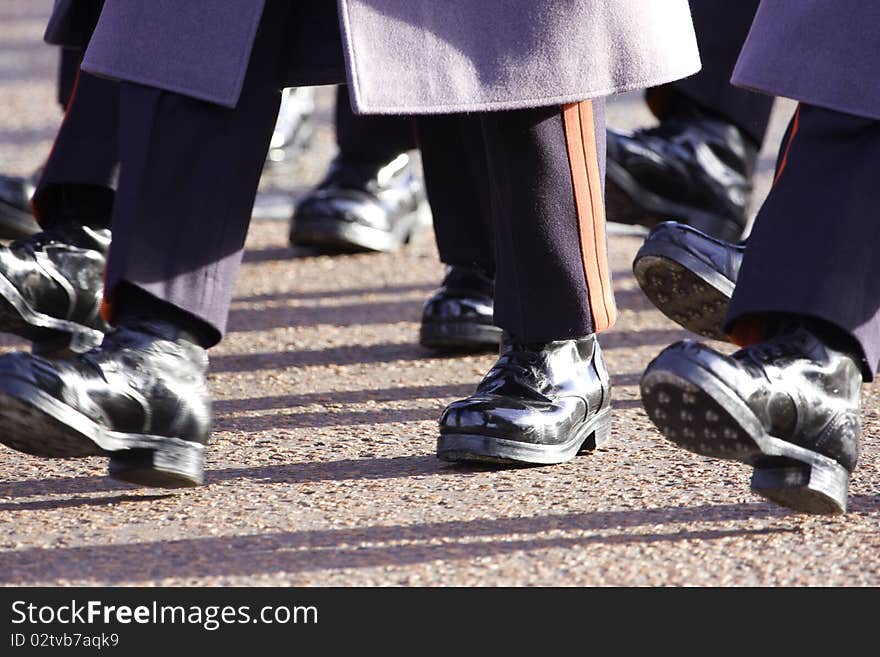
x=689 y=276
x=788 y=406
x=691 y=167
x=51 y=285
x=361 y=207
x=295 y=124
x=140 y=398
x=16 y=218
x=539 y=404
x=459 y=316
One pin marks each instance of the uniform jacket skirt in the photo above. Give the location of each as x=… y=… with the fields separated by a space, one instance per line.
x=406 y=56
x=817 y=51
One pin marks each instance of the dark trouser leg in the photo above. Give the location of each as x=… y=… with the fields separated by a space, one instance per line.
x=552 y=279
x=813 y=248
x=81 y=22
x=68 y=69
x=370 y=139
x=721 y=28
x=456 y=179
x=552 y=293
x=77 y=181
x=183 y=205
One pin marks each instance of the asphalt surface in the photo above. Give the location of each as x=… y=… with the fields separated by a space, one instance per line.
x=322 y=467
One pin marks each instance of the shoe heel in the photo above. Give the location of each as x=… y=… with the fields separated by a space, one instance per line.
x=601 y=433
x=175 y=465
x=819 y=487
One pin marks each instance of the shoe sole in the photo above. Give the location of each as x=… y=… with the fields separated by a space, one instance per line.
x=15 y=223
x=51 y=336
x=350 y=237
x=699 y=413
x=628 y=202
x=55 y=430
x=473 y=448
x=459 y=336
x=684 y=288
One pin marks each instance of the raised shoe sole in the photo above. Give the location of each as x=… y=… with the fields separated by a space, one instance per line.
x=475 y=448
x=34 y=422
x=697 y=411
x=684 y=288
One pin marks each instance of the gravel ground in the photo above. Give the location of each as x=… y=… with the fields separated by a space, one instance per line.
x=322 y=468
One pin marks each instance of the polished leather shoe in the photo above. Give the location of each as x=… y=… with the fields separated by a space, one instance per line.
x=459 y=316
x=689 y=276
x=539 y=404
x=691 y=167
x=361 y=207
x=51 y=285
x=140 y=398
x=789 y=407
x=16 y=218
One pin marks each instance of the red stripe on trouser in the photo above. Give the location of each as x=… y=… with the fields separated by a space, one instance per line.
x=795 y=124
x=580 y=138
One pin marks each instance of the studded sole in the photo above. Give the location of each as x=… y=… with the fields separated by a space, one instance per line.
x=684 y=288
x=474 y=448
x=699 y=413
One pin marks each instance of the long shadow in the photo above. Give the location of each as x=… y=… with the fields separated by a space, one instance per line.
x=284 y=253
x=625 y=379
x=614 y=339
x=309 y=472
x=383 y=353
x=626 y=404
x=270 y=254
x=35 y=10
x=353 y=355
x=79 y=502
x=312 y=550
x=319 y=419
x=342 y=292
x=27 y=136
x=375 y=312
x=353 y=314
x=633 y=299
x=402 y=393
x=16 y=67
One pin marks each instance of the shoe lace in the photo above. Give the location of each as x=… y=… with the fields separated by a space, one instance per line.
x=517 y=362
x=762 y=353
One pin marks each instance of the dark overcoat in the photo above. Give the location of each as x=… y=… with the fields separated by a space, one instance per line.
x=407 y=56
x=72 y=22
x=822 y=52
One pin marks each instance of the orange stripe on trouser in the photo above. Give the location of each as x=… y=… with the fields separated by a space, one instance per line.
x=580 y=138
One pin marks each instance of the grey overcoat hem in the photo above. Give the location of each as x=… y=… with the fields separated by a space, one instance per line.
x=523 y=103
